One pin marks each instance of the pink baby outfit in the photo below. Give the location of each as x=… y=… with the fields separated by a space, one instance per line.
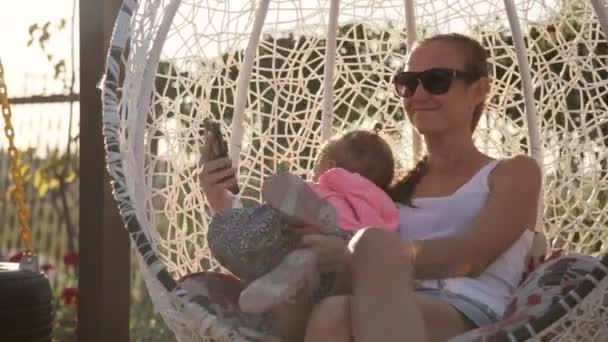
x=359 y=202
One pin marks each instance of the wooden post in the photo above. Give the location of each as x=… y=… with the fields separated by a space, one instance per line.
x=104 y=278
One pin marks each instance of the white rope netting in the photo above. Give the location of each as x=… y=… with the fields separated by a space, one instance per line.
x=587 y=322
x=268 y=71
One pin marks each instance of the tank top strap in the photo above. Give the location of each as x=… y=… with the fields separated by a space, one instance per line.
x=481 y=178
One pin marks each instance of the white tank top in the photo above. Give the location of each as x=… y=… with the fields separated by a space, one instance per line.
x=436 y=217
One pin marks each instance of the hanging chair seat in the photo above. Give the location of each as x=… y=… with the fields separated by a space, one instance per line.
x=283 y=76
x=545 y=295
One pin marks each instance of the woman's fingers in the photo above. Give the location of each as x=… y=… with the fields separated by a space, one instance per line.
x=213 y=166
x=218 y=177
x=218 y=173
x=230 y=182
x=217 y=164
x=305 y=229
x=331 y=250
x=311 y=240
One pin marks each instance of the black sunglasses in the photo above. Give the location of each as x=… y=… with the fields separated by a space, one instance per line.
x=436 y=81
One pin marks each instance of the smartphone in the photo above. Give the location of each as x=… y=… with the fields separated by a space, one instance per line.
x=220 y=145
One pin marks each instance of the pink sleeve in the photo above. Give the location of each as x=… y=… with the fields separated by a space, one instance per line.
x=355 y=213
x=360 y=209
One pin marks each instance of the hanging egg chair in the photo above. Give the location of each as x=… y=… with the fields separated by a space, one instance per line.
x=283 y=76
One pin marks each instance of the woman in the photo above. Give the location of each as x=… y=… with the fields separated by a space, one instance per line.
x=465 y=218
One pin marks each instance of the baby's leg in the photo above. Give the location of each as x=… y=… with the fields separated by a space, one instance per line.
x=297 y=273
x=289 y=320
x=250 y=242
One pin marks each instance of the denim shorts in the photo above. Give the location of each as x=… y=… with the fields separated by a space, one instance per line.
x=475 y=311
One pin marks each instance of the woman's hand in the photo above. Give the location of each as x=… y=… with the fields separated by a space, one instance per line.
x=217 y=176
x=303 y=230
x=332 y=251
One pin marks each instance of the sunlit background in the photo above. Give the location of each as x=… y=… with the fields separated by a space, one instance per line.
x=39 y=50
x=30 y=69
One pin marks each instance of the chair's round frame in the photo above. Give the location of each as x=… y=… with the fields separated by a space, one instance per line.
x=123 y=162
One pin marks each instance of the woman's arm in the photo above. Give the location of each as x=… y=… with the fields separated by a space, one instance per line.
x=511 y=208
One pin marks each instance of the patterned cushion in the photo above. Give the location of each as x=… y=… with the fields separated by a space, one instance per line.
x=219 y=294
x=537 y=254
x=546 y=285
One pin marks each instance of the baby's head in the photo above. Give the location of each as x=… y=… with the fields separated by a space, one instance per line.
x=359 y=151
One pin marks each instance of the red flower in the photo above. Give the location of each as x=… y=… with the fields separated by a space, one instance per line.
x=71 y=258
x=46 y=267
x=69 y=294
x=16 y=257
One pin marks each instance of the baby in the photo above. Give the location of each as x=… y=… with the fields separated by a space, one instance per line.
x=347 y=193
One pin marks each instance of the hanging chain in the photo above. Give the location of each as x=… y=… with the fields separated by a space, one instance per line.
x=18 y=194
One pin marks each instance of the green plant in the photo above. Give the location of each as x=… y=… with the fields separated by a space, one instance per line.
x=66 y=303
x=41 y=33
x=145 y=323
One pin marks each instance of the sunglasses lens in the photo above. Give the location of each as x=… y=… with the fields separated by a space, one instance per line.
x=436 y=81
x=406 y=83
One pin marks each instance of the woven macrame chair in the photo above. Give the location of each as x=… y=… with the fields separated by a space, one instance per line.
x=284 y=75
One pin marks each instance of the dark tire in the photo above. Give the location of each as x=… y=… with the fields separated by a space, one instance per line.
x=26 y=305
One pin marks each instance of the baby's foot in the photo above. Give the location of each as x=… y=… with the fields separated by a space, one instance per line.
x=297 y=271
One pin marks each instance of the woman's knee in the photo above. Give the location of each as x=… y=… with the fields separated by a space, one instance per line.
x=372 y=244
x=330 y=320
x=331 y=310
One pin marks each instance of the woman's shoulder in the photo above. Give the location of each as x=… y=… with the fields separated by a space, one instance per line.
x=521 y=163
x=520 y=170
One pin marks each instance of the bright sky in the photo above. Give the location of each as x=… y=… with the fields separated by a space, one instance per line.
x=27 y=71
x=20 y=60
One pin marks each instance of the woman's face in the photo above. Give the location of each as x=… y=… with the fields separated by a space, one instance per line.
x=442 y=111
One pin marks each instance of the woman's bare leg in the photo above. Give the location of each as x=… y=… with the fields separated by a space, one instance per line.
x=383 y=305
x=441 y=319
x=330 y=320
